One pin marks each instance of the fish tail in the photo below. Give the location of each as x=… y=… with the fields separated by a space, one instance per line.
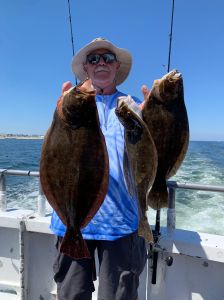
x=157 y=197
x=145 y=231
x=74 y=245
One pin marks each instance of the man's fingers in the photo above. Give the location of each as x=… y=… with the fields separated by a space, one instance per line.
x=145 y=91
x=66 y=86
x=142 y=105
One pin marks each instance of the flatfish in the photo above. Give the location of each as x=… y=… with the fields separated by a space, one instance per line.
x=165 y=114
x=140 y=158
x=74 y=165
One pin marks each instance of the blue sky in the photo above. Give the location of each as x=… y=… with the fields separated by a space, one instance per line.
x=36 y=53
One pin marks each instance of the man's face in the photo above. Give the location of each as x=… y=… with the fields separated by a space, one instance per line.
x=102 y=73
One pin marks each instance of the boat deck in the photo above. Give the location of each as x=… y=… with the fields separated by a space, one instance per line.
x=190 y=264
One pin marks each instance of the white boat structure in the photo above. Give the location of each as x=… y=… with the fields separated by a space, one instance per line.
x=183 y=265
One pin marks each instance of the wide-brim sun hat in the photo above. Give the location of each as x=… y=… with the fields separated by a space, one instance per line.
x=122 y=55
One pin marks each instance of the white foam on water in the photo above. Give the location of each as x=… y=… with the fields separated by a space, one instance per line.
x=203 y=213
x=23 y=194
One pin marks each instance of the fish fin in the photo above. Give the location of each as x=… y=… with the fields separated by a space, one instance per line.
x=145 y=231
x=157 y=197
x=128 y=174
x=74 y=245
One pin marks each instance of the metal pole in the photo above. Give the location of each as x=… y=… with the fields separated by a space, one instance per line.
x=22 y=229
x=171 y=211
x=195 y=186
x=3 y=200
x=41 y=204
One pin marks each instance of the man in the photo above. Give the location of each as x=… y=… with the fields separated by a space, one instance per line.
x=113 y=230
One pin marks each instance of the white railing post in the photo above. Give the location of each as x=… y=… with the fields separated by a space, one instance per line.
x=41 y=205
x=3 y=200
x=22 y=229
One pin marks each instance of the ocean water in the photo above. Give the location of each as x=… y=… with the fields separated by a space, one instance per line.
x=199 y=210
x=19 y=154
x=195 y=210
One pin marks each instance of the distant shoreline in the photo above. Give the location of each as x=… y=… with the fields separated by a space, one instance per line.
x=41 y=137
x=21 y=137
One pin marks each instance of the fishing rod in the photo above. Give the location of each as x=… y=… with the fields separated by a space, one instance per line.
x=71 y=33
x=156 y=234
x=171 y=35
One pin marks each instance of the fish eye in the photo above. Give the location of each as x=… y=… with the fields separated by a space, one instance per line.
x=77 y=91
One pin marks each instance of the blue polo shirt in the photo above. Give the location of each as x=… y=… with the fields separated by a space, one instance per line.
x=118 y=215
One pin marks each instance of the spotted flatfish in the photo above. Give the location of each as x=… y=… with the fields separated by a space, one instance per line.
x=165 y=114
x=140 y=158
x=74 y=165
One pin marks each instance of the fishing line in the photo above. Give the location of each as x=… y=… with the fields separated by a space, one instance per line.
x=171 y=34
x=71 y=33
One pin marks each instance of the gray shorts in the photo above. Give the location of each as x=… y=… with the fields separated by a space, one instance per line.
x=120 y=264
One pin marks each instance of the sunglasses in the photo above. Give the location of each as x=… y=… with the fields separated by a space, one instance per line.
x=95 y=58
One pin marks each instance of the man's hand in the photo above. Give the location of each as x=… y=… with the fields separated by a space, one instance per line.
x=66 y=87
x=146 y=93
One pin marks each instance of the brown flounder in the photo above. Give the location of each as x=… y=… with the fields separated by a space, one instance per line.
x=74 y=165
x=140 y=158
x=165 y=114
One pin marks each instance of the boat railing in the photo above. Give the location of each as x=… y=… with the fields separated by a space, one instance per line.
x=41 y=201
x=173 y=186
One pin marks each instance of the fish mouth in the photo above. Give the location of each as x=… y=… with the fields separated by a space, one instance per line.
x=122 y=101
x=129 y=114
x=128 y=103
x=125 y=100
x=172 y=75
x=168 y=87
x=85 y=87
